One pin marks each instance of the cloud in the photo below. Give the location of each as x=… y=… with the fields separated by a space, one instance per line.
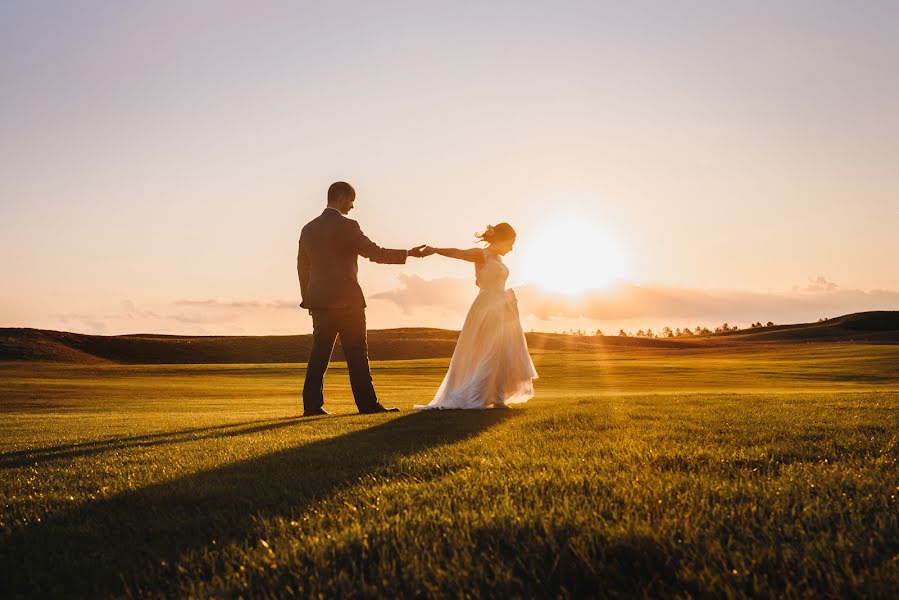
x=84 y=322
x=628 y=301
x=131 y=311
x=187 y=316
x=443 y=303
x=415 y=292
x=202 y=318
x=215 y=304
x=216 y=312
x=820 y=284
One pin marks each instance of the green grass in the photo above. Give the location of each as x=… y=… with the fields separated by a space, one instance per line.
x=763 y=471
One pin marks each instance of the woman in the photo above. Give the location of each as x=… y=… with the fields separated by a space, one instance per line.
x=491 y=367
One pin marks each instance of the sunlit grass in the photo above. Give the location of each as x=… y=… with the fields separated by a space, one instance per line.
x=769 y=473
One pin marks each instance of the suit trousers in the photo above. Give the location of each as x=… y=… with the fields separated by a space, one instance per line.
x=349 y=324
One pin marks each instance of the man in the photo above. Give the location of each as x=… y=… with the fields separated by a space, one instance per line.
x=327 y=266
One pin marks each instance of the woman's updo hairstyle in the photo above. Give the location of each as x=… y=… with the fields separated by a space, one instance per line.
x=496 y=233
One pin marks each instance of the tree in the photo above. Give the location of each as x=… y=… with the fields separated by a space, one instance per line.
x=677 y=332
x=640 y=333
x=666 y=332
x=598 y=333
x=686 y=331
x=769 y=324
x=622 y=333
x=650 y=334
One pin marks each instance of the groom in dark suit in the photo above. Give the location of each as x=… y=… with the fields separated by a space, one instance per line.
x=330 y=245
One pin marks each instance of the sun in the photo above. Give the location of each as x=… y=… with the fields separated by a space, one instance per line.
x=572 y=256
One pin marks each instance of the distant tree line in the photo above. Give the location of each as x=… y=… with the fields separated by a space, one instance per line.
x=678 y=332
x=668 y=332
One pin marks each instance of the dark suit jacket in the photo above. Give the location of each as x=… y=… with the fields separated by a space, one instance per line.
x=330 y=245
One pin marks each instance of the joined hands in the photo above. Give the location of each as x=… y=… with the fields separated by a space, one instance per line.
x=421 y=251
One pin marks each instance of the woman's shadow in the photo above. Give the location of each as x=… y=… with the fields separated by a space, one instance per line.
x=132 y=540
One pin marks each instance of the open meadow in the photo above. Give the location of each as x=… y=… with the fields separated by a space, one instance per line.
x=670 y=226
x=746 y=470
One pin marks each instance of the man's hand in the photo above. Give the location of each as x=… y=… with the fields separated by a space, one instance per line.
x=421 y=251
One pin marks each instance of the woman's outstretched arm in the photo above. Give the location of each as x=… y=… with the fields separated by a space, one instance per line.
x=471 y=255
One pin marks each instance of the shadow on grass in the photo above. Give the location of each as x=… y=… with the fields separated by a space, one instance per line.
x=114 y=545
x=22 y=458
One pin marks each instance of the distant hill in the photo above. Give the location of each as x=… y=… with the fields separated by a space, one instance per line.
x=59 y=346
x=384 y=344
x=873 y=326
x=393 y=344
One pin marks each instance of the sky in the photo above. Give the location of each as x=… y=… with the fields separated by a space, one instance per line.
x=663 y=163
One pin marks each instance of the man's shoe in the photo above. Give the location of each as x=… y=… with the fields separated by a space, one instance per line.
x=316 y=412
x=378 y=408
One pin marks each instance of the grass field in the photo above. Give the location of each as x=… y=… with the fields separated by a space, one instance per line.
x=754 y=470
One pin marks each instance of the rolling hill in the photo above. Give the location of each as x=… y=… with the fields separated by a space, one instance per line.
x=23 y=344
x=873 y=326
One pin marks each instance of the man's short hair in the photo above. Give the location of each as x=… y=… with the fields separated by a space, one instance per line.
x=339 y=189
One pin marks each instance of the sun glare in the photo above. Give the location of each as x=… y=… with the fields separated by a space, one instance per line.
x=572 y=256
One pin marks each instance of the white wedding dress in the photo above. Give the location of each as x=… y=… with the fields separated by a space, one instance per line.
x=490 y=365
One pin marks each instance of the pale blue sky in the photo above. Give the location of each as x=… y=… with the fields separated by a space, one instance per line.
x=157 y=152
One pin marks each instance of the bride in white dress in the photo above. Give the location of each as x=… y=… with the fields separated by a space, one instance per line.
x=491 y=367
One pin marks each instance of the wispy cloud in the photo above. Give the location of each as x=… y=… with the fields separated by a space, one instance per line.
x=820 y=284
x=443 y=302
x=84 y=322
x=227 y=304
x=628 y=301
x=188 y=316
x=416 y=292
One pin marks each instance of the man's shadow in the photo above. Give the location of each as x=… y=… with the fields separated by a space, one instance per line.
x=131 y=540
x=31 y=456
